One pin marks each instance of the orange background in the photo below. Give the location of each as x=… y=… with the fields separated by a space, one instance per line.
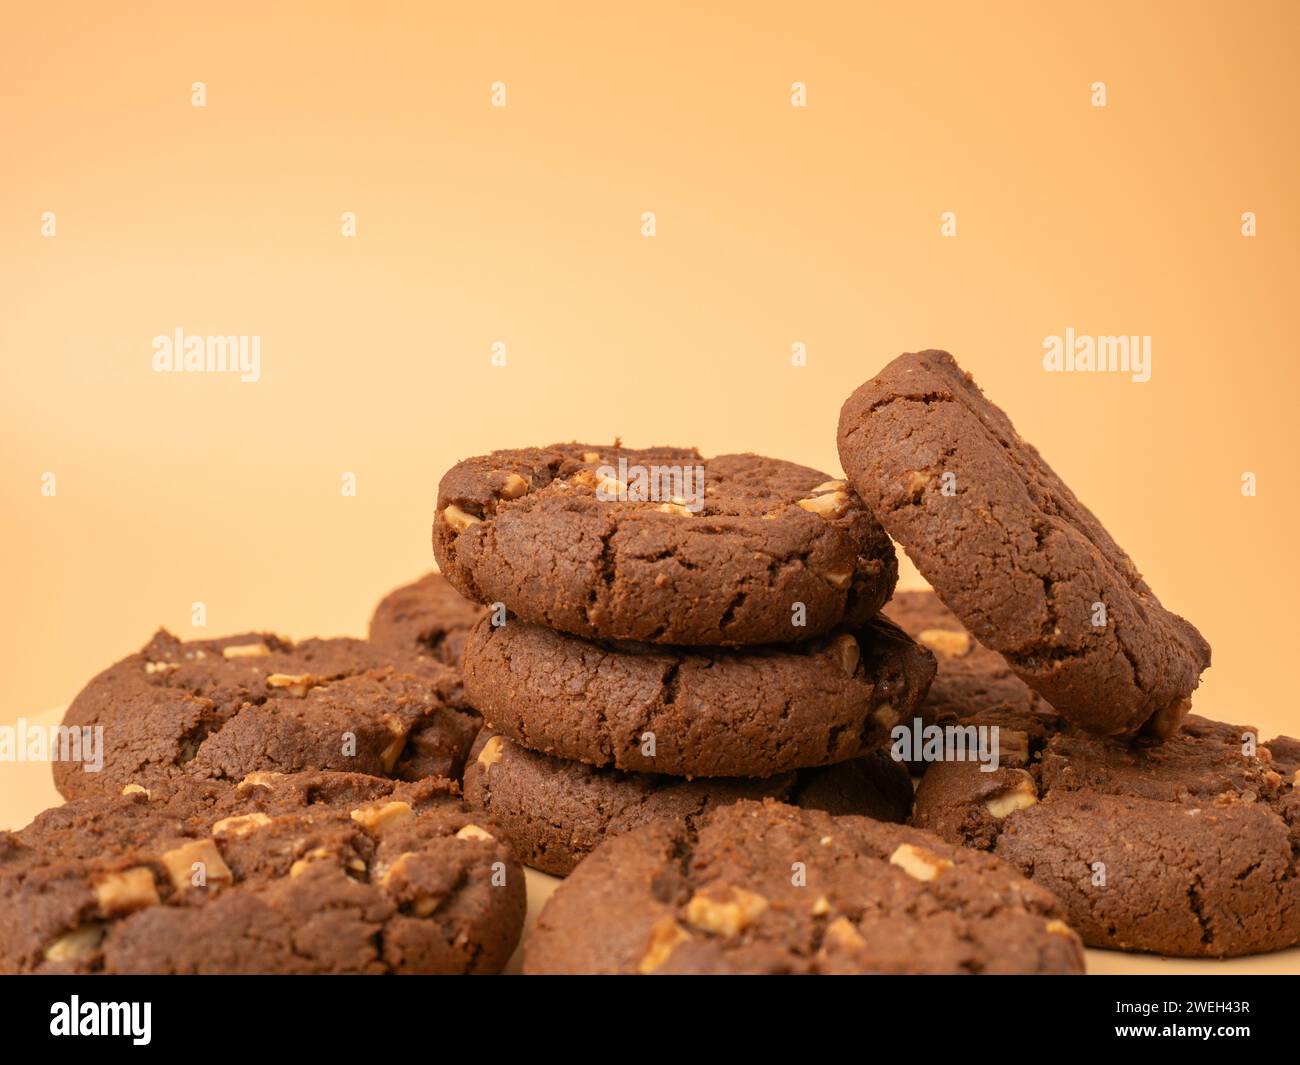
x=522 y=224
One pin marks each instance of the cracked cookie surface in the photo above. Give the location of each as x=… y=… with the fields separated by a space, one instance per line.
x=219 y=709
x=770 y=888
x=1006 y=545
x=305 y=873
x=555 y=811
x=1188 y=847
x=709 y=712
x=758 y=550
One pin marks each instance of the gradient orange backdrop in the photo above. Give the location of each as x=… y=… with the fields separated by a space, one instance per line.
x=776 y=225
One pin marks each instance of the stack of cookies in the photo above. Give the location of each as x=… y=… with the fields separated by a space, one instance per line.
x=686 y=685
x=665 y=634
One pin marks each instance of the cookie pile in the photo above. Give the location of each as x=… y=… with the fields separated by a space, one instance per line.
x=667 y=634
x=680 y=683
x=266 y=806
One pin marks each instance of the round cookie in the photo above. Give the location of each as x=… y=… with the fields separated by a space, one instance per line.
x=1187 y=848
x=219 y=709
x=702 y=712
x=308 y=873
x=427 y=618
x=770 y=888
x=1010 y=549
x=661 y=545
x=555 y=812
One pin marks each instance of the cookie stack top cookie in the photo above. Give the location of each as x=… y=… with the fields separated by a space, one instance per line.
x=661 y=545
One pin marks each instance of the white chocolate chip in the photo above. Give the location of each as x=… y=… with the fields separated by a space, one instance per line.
x=473 y=832
x=490 y=755
x=246 y=650
x=680 y=509
x=1020 y=795
x=458 y=520
x=136 y=789
x=918 y=863
x=240 y=825
x=161 y=667
x=847 y=652
x=839 y=578
x=725 y=918
x=513 y=487
x=831 y=505
x=946 y=642
x=665 y=936
x=180 y=863
x=297 y=684
x=130 y=889
x=379 y=818
x=77 y=944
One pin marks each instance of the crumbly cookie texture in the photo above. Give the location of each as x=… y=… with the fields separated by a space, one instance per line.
x=770 y=888
x=555 y=811
x=1029 y=570
x=709 y=712
x=301 y=873
x=1186 y=847
x=757 y=551
x=220 y=709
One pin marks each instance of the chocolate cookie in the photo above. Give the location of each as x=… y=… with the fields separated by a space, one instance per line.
x=1026 y=567
x=427 y=618
x=554 y=812
x=661 y=545
x=308 y=873
x=769 y=888
x=1187 y=847
x=219 y=709
x=972 y=684
x=696 y=712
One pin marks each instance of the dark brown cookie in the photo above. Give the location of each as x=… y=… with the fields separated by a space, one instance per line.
x=1026 y=567
x=426 y=618
x=554 y=812
x=219 y=709
x=738 y=550
x=972 y=685
x=307 y=873
x=770 y=888
x=703 y=712
x=1187 y=847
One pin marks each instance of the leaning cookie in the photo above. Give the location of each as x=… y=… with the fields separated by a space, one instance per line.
x=705 y=712
x=310 y=873
x=770 y=888
x=427 y=618
x=1027 y=568
x=220 y=709
x=555 y=812
x=661 y=545
x=1186 y=848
